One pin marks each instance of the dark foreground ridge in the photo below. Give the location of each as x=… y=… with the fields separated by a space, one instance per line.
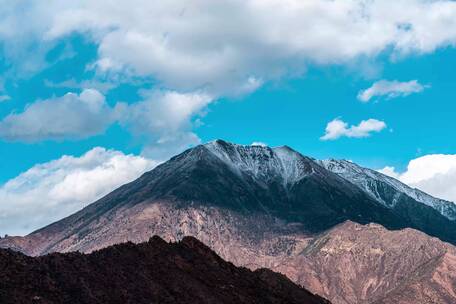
x=150 y=272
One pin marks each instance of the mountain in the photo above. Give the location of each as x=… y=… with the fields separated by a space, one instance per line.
x=368 y=264
x=252 y=189
x=257 y=207
x=152 y=272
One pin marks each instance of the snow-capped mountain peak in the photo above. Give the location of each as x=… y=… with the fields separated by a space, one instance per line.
x=262 y=162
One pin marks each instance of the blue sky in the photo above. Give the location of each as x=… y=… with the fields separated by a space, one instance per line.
x=145 y=84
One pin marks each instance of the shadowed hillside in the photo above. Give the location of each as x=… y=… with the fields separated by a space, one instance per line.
x=151 y=272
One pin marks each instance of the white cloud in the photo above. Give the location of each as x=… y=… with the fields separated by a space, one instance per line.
x=434 y=174
x=338 y=128
x=259 y=143
x=194 y=45
x=50 y=191
x=164 y=111
x=390 y=171
x=69 y=116
x=4 y=98
x=390 y=89
x=164 y=118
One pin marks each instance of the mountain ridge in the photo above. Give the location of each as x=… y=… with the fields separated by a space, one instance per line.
x=150 y=272
x=362 y=176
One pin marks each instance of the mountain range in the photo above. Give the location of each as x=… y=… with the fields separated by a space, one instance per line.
x=268 y=207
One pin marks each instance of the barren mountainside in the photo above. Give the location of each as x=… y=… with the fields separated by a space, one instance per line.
x=355 y=263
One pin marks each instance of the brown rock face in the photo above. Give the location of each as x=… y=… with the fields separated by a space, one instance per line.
x=355 y=263
x=152 y=272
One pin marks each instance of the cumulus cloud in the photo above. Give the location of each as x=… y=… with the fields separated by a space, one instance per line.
x=165 y=119
x=390 y=89
x=338 y=128
x=69 y=116
x=50 y=191
x=164 y=111
x=434 y=174
x=193 y=45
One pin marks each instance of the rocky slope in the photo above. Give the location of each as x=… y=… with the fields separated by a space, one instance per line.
x=355 y=263
x=152 y=272
x=385 y=189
